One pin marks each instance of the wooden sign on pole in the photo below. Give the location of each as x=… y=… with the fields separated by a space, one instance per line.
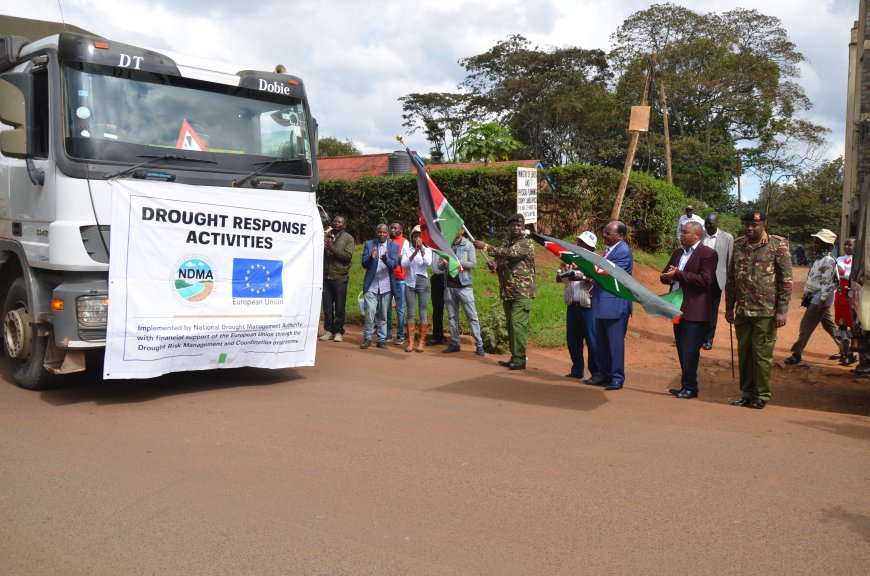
x=639 y=120
x=632 y=145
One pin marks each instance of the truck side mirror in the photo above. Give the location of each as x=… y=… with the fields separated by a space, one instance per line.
x=15 y=92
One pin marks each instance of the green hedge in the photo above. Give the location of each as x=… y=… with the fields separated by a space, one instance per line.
x=486 y=196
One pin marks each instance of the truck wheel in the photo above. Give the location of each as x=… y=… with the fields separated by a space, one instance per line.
x=23 y=347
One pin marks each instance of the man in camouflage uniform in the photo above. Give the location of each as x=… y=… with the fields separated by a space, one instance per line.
x=756 y=302
x=515 y=264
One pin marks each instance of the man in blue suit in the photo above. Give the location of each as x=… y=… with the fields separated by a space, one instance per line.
x=611 y=313
x=380 y=256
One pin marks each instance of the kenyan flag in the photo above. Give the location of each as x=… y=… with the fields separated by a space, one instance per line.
x=439 y=222
x=614 y=279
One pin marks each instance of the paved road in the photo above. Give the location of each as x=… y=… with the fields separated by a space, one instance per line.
x=390 y=463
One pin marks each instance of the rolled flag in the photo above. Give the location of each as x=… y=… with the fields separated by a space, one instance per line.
x=614 y=279
x=439 y=222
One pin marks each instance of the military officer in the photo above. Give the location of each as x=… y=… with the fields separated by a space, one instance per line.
x=757 y=294
x=515 y=265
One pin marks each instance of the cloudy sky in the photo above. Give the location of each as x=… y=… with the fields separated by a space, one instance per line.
x=357 y=57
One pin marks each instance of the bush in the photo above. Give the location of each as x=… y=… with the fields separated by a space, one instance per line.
x=485 y=196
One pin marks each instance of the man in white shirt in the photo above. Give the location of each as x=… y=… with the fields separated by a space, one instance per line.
x=723 y=243
x=688 y=216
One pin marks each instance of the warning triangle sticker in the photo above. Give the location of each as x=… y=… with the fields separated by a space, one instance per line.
x=188 y=139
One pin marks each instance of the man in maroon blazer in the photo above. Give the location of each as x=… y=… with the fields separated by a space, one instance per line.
x=692 y=268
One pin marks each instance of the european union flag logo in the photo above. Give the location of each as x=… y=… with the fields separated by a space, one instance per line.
x=257 y=278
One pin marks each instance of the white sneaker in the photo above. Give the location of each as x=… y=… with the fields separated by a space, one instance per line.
x=327 y=336
x=338 y=337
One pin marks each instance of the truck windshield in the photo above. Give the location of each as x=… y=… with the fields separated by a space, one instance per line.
x=116 y=115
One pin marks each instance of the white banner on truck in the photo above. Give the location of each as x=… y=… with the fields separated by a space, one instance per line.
x=203 y=277
x=527 y=194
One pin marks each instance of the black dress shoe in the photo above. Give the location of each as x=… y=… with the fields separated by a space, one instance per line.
x=707 y=346
x=741 y=402
x=835 y=356
x=793 y=359
x=504 y=363
x=757 y=403
x=571 y=375
x=595 y=381
x=685 y=394
x=451 y=348
x=675 y=391
x=381 y=345
x=515 y=366
x=434 y=341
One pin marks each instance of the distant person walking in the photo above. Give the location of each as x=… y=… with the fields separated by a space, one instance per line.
x=818 y=297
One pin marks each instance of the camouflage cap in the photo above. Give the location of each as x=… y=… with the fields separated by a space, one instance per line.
x=754 y=216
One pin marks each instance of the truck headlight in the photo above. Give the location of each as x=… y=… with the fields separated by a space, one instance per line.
x=92 y=310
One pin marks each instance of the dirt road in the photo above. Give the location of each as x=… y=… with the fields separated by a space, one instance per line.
x=381 y=462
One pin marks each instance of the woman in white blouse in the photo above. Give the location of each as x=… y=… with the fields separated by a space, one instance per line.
x=416 y=260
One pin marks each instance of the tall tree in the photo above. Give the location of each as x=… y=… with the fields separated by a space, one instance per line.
x=443 y=117
x=555 y=100
x=731 y=93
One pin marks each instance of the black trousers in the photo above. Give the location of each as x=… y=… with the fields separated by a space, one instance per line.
x=690 y=335
x=436 y=285
x=334 y=302
x=716 y=296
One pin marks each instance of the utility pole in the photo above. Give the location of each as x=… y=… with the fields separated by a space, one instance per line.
x=667 y=134
x=637 y=114
x=739 y=170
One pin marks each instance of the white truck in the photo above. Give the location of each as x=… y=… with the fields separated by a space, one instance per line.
x=77 y=111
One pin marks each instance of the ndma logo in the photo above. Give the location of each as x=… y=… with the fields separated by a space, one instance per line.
x=193 y=280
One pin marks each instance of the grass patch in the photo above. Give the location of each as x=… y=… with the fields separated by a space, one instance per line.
x=547 y=323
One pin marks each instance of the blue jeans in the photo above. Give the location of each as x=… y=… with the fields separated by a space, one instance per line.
x=376 y=310
x=399 y=295
x=453 y=297
x=418 y=300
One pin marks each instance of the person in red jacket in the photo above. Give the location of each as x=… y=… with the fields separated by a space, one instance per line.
x=693 y=269
x=396 y=231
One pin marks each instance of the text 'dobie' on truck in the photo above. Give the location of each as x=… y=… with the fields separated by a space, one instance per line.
x=79 y=113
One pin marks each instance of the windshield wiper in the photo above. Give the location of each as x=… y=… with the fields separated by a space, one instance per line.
x=152 y=160
x=265 y=164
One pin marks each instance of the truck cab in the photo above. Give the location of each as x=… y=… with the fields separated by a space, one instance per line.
x=76 y=113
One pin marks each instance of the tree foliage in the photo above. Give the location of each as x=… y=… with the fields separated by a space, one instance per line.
x=730 y=89
x=555 y=100
x=811 y=202
x=443 y=117
x=331 y=146
x=731 y=94
x=486 y=142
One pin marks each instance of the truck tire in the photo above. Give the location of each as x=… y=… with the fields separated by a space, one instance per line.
x=23 y=347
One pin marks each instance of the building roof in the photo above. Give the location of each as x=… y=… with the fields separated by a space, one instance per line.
x=353 y=167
